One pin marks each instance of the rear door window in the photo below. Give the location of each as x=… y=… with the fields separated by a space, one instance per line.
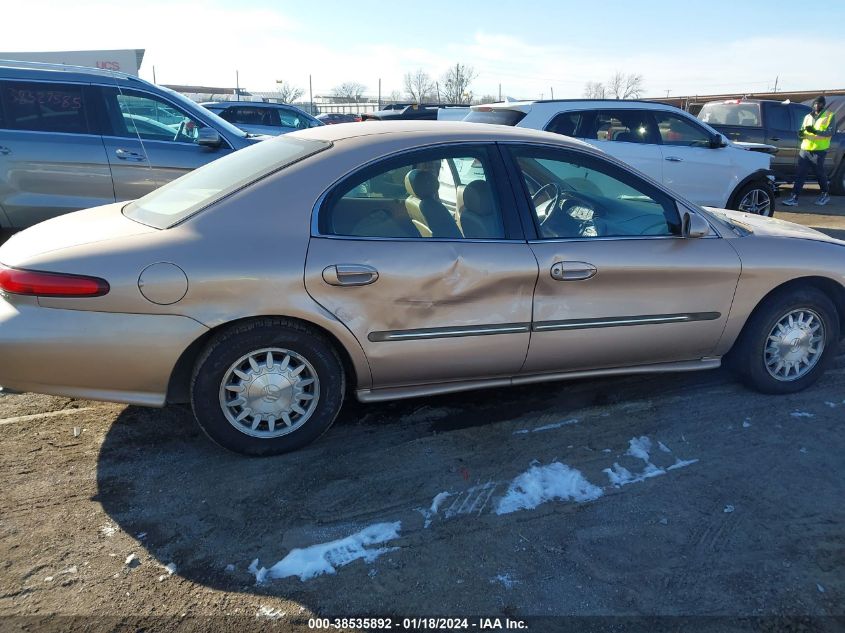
x=45 y=107
x=622 y=126
x=566 y=123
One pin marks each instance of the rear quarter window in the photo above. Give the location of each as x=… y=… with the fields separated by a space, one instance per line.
x=45 y=107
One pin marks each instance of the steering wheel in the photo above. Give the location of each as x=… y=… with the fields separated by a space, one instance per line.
x=553 y=199
x=562 y=223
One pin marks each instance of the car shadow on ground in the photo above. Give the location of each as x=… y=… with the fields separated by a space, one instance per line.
x=212 y=512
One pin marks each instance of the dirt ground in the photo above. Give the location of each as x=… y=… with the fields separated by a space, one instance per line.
x=735 y=512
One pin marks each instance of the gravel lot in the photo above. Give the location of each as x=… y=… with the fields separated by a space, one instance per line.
x=732 y=506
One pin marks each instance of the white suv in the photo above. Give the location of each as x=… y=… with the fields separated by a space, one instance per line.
x=662 y=141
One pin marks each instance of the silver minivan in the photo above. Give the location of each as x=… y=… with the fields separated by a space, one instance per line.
x=73 y=138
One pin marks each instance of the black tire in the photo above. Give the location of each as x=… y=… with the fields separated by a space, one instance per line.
x=227 y=347
x=765 y=192
x=748 y=358
x=837 y=182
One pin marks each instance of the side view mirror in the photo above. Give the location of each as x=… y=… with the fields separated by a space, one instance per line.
x=695 y=226
x=209 y=137
x=718 y=141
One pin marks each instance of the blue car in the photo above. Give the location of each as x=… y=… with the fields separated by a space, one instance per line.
x=263 y=118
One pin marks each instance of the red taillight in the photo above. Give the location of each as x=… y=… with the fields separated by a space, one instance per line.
x=38 y=284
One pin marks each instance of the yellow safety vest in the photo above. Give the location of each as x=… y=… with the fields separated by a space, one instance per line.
x=816 y=143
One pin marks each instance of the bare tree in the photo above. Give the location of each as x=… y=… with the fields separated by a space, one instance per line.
x=350 y=91
x=287 y=91
x=486 y=99
x=394 y=97
x=622 y=86
x=419 y=85
x=456 y=84
x=595 y=90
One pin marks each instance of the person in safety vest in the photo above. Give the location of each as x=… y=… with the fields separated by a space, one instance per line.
x=815 y=133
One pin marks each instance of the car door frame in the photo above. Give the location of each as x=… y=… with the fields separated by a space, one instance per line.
x=436 y=339
x=731 y=279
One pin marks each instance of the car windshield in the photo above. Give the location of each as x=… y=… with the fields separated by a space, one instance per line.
x=192 y=107
x=183 y=197
x=741 y=113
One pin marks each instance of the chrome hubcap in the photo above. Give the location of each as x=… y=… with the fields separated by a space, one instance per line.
x=756 y=201
x=795 y=345
x=269 y=393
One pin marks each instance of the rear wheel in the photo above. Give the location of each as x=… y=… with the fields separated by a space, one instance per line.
x=756 y=198
x=267 y=387
x=788 y=342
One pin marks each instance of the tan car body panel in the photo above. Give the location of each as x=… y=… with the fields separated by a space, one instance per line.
x=245 y=256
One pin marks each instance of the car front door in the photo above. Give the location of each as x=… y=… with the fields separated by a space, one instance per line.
x=151 y=142
x=701 y=173
x=779 y=133
x=428 y=300
x=52 y=159
x=618 y=285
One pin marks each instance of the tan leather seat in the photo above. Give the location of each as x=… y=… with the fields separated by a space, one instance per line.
x=423 y=204
x=480 y=218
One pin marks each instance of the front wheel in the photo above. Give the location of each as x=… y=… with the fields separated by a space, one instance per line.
x=267 y=387
x=788 y=342
x=756 y=198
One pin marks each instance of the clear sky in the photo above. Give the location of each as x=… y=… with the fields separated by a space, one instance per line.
x=530 y=48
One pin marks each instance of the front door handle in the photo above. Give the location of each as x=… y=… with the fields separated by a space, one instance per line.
x=775 y=138
x=5 y=151
x=125 y=154
x=572 y=271
x=674 y=159
x=349 y=275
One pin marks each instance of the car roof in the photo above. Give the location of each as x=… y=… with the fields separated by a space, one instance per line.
x=68 y=72
x=251 y=104
x=436 y=131
x=550 y=104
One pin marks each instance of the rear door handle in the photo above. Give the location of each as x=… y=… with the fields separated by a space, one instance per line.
x=674 y=159
x=572 y=271
x=349 y=275
x=5 y=150
x=125 y=154
x=775 y=138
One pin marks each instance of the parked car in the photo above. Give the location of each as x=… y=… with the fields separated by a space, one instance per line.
x=405 y=111
x=662 y=141
x=73 y=137
x=331 y=118
x=258 y=117
x=777 y=123
x=264 y=286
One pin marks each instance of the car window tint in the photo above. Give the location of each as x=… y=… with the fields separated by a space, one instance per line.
x=137 y=114
x=291 y=118
x=45 y=107
x=565 y=123
x=678 y=131
x=734 y=113
x=624 y=126
x=450 y=196
x=778 y=117
x=576 y=196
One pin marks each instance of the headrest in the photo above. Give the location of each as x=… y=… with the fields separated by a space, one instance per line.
x=421 y=183
x=478 y=197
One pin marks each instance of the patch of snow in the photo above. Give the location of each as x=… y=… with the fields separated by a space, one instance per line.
x=372 y=573
x=472 y=500
x=132 y=560
x=832 y=405
x=325 y=558
x=746 y=423
x=435 y=506
x=802 y=414
x=606 y=450
x=269 y=613
x=663 y=447
x=664 y=521
x=548 y=427
x=820 y=588
x=682 y=463
x=170 y=568
x=141 y=535
x=540 y=484
x=505 y=580
x=802 y=450
x=639 y=447
x=108 y=530
x=230 y=569
x=728 y=509
x=48 y=579
x=70 y=570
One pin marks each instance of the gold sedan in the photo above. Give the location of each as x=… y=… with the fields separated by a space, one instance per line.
x=400 y=260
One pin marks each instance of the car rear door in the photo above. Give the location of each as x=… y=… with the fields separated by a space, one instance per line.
x=618 y=284
x=426 y=303
x=52 y=158
x=779 y=133
x=151 y=141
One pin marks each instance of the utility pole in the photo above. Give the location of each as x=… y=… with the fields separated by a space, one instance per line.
x=379 y=93
x=154 y=74
x=311 y=95
x=552 y=91
x=500 y=92
x=437 y=85
x=667 y=94
x=237 y=85
x=776 y=82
